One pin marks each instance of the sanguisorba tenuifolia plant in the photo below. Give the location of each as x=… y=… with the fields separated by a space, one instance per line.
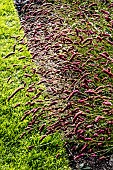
x=73 y=48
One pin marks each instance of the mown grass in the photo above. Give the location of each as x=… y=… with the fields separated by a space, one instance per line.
x=14 y=151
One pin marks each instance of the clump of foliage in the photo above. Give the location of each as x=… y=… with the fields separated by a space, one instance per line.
x=17 y=73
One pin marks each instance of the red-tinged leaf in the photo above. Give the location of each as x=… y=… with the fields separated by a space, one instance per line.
x=111 y=5
x=80 y=131
x=34 y=110
x=99 y=38
x=9 y=55
x=22 y=135
x=27 y=114
x=18 y=104
x=28 y=75
x=77 y=115
x=78 y=156
x=96 y=135
x=41 y=128
x=22 y=57
x=53 y=103
x=104 y=12
x=92 y=5
x=105 y=35
x=72 y=57
x=76 y=127
x=31 y=89
x=42 y=81
x=30 y=147
x=67 y=40
x=81 y=38
x=93 y=155
x=86 y=40
x=98 y=118
x=107 y=103
x=84 y=147
x=110 y=122
x=102 y=158
x=81 y=100
x=110 y=42
x=89 y=126
x=107 y=18
x=42 y=137
x=90 y=91
x=88 y=139
x=12 y=95
x=58 y=155
x=72 y=94
x=100 y=144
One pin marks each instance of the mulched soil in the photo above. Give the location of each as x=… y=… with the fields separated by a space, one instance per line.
x=44 y=29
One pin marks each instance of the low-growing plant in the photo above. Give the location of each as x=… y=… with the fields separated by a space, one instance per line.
x=74 y=58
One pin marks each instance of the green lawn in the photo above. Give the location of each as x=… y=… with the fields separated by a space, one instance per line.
x=14 y=151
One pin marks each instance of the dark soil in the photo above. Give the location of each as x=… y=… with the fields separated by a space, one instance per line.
x=90 y=163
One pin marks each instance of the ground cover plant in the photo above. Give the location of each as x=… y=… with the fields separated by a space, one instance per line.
x=72 y=47
x=15 y=70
